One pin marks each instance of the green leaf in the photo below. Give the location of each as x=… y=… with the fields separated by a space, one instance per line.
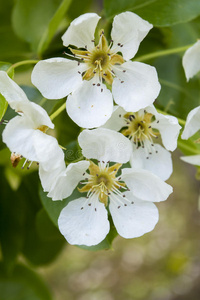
x=4 y=66
x=30 y=19
x=157 y=12
x=53 y=26
x=176 y=97
x=3 y=106
x=22 y=284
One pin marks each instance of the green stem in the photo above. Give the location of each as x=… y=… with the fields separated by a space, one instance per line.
x=23 y=62
x=184 y=146
x=181 y=121
x=58 y=111
x=162 y=53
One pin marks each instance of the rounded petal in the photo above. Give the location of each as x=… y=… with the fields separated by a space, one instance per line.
x=57 y=77
x=135 y=218
x=49 y=153
x=128 y=30
x=135 y=88
x=37 y=114
x=145 y=185
x=81 y=31
x=169 y=129
x=105 y=145
x=13 y=94
x=68 y=180
x=192 y=159
x=83 y=224
x=158 y=163
x=90 y=106
x=18 y=135
x=192 y=124
x=116 y=121
x=191 y=62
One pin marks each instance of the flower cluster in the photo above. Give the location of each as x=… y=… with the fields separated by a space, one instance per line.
x=95 y=74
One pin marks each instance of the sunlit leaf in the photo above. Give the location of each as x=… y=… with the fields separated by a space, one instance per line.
x=159 y=13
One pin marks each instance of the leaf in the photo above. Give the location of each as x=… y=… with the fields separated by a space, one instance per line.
x=30 y=19
x=4 y=66
x=53 y=26
x=159 y=13
x=3 y=106
x=22 y=284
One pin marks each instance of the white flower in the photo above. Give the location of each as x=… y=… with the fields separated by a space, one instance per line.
x=191 y=61
x=128 y=196
x=134 y=85
x=25 y=134
x=142 y=128
x=192 y=125
x=192 y=159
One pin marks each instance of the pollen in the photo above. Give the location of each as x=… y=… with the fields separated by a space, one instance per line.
x=99 y=60
x=102 y=181
x=139 y=128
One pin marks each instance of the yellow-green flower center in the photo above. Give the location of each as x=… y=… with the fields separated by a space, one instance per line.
x=139 y=127
x=102 y=181
x=100 y=60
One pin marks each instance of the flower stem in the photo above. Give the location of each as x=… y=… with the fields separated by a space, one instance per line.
x=23 y=62
x=58 y=111
x=184 y=146
x=162 y=53
x=181 y=121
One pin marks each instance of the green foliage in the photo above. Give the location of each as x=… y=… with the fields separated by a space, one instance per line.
x=31 y=18
x=22 y=284
x=4 y=66
x=159 y=13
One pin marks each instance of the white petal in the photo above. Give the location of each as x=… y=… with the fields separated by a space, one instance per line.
x=68 y=180
x=105 y=145
x=84 y=226
x=129 y=30
x=158 y=163
x=13 y=94
x=136 y=88
x=145 y=185
x=55 y=78
x=37 y=114
x=81 y=31
x=192 y=159
x=18 y=135
x=49 y=178
x=169 y=129
x=192 y=124
x=116 y=121
x=49 y=153
x=90 y=106
x=191 y=62
x=133 y=220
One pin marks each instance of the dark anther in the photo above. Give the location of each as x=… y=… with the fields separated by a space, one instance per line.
x=158 y=121
x=95 y=209
x=101 y=90
x=83 y=174
x=119 y=206
x=89 y=204
x=122 y=81
x=81 y=207
x=98 y=84
x=120 y=116
x=125 y=204
x=118 y=44
x=124 y=71
x=124 y=196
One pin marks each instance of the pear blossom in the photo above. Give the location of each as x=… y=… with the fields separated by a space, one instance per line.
x=143 y=128
x=191 y=62
x=128 y=196
x=97 y=64
x=25 y=135
x=192 y=125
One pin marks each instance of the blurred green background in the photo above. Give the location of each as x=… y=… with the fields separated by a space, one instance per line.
x=35 y=261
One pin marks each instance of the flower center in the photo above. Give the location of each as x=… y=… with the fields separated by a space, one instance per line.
x=140 y=128
x=99 y=60
x=102 y=181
